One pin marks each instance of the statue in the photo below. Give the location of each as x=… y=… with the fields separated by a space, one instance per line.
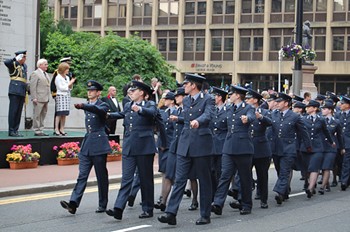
x=306 y=42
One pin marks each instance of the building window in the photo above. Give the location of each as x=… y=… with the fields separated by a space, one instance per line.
x=194 y=45
x=116 y=14
x=168 y=12
x=282 y=11
x=251 y=44
x=319 y=43
x=223 y=12
x=307 y=6
x=276 y=6
x=195 y=11
x=339 y=5
x=142 y=12
x=167 y=44
x=341 y=10
x=69 y=11
x=145 y=35
x=92 y=13
x=321 y=5
x=252 y=11
x=340 y=42
x=222 y=45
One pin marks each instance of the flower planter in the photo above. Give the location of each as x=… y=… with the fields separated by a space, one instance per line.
x=111 y=158
x=67 y=161
x=23 y=165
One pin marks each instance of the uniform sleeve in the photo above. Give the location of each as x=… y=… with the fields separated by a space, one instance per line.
x=340 y=139
x=266 y=119
x=208 y=111
x=100 y=110
x=302 y=132
x=150 y=110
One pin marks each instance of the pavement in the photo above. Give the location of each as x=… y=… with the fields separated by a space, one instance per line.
x=53 y=178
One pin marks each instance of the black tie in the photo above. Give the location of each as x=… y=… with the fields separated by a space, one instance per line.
x=179 y=110
x=344 y=114
x=217 y=109
x=312 y=118
x=281 y=114
x=192 y=100
x=234 y=108
x=327 y=120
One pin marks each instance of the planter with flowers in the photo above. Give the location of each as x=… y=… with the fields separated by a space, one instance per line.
x=296 y=51
x=67 y=153
x=116 y=153
x=22 y=157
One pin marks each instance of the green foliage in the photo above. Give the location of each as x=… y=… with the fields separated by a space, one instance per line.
x=111 y=60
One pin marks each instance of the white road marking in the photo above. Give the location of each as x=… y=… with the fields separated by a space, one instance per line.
x=132 y=228
x=297 y=194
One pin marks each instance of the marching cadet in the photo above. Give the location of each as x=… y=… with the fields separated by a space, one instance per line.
x=94 y=150
x=317 y=130
x=334 y=128
x=219 y=129
x=344 y=118
x=262 y=149
x=169 y=103
x=139 y=147
x=194 y=150
x=286 y=125
x=237 y=153
x=17 y=90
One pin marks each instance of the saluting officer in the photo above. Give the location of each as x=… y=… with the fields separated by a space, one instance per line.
x=344 y=118
x=237 y=152
x=262 y=149
x=286 y=125
x=193 y=150
x=17 y=90
x=139 y=147
x=94 y=150
x=219 y=129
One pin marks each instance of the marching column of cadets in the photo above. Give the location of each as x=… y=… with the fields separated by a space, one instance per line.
x=218 y=141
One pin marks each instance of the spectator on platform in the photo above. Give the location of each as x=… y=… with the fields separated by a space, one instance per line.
x=113 y=105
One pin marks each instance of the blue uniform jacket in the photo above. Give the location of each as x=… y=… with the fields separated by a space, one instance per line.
x=169 y=127
x=345 y=125
x=317 y=130
x=285 y=131
x=238 y=141
x=138 y=129
x=218 y=126
x=334 y=128
x=258 y=128
x=96 y=140
x=17 y=87
x=197 y=142
x=178 y=126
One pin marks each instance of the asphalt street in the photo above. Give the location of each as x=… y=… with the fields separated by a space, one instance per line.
x=42 y=212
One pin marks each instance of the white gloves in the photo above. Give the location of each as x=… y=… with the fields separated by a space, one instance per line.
x=19 y=57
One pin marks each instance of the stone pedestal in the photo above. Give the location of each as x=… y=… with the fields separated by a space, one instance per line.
x=308 y=84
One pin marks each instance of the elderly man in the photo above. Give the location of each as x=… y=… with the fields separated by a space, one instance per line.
x=40 y=93
x=113 y=105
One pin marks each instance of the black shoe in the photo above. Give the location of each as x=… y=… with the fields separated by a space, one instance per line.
x=235 y=205
x=327 y=189
x=64 y=134
x=168 y=218
x=230 y=193
x=41 y=134
x=187 y=192
x=313 y=191
x=245 y=211
x=146 y=214
x=160 y=199
x=100 y=210
x=334 y=184
x=203 y=221
x=116 y=213
x=308 y=193
x=57 y=134
x=69 y=206
x=193 y=206
x=264 y=205
x=160 y=206
x=279 y=199
x=302 y=178
x=343 y=187
x=319 y=182
x=13 y=134
x=321 y=191
x=131 y=201
x=216 y=209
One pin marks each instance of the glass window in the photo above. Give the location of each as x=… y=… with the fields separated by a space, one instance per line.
x=339 y=5
x=98 y=11
x=258 y=43
x=202 y=6
x=289 y=6
x=163 y=9
x=122 y=11
x=74 y=12
x=246 y=6
x=137 y=9
x=245 y=44
x=259 y=6
x=148 y=9
x=230 y=7
x=320 y=42
x=173 y=45
x=276 y=6
x=64 y=12
x=87 y=11
x=348 y=48
x=188 y=44
x=216 y=44
x=321 y=5
x=174 y=8
x=338 y=43
x=307 y=5
x=112 y=11
x=190 y=8
x=200 y=44
x=162 y=45
x=275 y=43
x=228 y=44
x=217 y=7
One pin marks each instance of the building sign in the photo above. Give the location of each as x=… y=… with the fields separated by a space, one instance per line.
x=206 y=67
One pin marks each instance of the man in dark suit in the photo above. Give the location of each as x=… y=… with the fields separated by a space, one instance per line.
x=139 y=147
x=193 y=150
x=237 y=153
x=17 y=90
x=113 y=104
x=93 y=151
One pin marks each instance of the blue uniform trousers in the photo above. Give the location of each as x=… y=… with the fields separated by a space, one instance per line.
x=85 y=165
x=15 y=112
x=202 y=171
x=135 y=187
x=144 y=164
x=346 y=167
x=285 y=164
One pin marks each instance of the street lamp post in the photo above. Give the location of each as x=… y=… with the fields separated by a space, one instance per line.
x=280 y=57
x=297 y=72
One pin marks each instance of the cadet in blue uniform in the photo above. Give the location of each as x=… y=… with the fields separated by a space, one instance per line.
x=317 y=129
x=237 y=152
x=344 y=118
x=334 y=128
x=193 y=150
x=219 y=129
x=262 y=149
x=17 y=90
x=139 y=147
x=286 y=126
x=94 y=150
